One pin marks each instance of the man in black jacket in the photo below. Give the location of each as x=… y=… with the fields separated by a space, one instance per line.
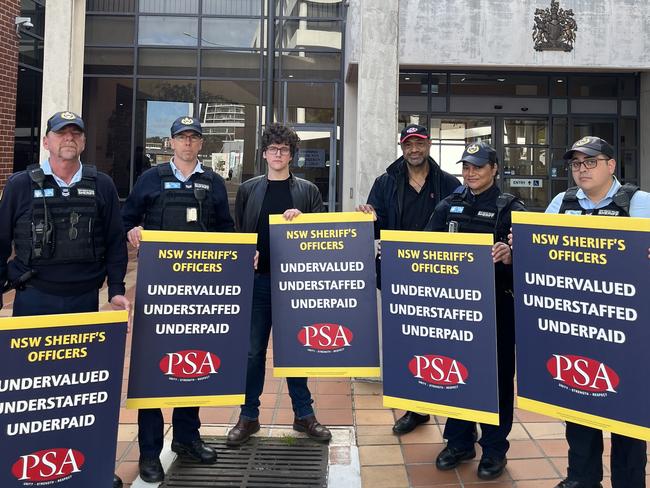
x=403 y=198
x=277 y=192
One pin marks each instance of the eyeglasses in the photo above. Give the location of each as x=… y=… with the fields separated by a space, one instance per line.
x=74 y=220
x=274 y=151
x=191 y=138
x=589 y=163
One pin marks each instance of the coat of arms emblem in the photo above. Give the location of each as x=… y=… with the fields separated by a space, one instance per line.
x=554 y=29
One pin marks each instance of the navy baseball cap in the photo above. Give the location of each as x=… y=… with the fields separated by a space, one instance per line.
x=413 y=130
x=184 y=123
x=61 y=119
x=479 y=154
x=591 y=146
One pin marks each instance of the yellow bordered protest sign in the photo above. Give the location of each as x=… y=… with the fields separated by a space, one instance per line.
x=581 y=309
x=439 y=324
x=192 y=319
x=323 y=294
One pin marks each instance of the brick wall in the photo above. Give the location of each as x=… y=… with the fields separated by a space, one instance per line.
x=9 y=10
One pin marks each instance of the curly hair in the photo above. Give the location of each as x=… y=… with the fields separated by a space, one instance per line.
x=280 y=134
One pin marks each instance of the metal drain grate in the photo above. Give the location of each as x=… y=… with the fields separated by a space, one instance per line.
x=260 y=463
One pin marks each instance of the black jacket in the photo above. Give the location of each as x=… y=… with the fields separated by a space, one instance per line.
x=250 y=196
x=387 y=193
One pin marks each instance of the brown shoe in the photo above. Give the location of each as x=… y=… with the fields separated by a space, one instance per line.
x=313 y=428
x=243 y=431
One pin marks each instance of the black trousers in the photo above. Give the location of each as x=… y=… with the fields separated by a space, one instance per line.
x=461 y=434
x=585 y=457
x=151 y=426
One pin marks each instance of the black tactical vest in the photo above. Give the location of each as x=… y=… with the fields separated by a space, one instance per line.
x=64 y=225
x=470 y=218
x=618 y=207
x=184 y=206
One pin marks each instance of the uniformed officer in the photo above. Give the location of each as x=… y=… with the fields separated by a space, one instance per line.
x=181 y=195
x=598 y=192
x=63 y=218
x=403 y=198
x=479 y=206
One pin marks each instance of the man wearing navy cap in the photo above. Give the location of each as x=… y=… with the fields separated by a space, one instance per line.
x=54 y=269
x=479 y=206
x=598 y=192
x=403 y=198
x=181 y=195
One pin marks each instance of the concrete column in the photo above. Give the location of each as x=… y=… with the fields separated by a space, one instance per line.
x=377 y=93
x=350 y=130
x=63 y=59
x=644 y=131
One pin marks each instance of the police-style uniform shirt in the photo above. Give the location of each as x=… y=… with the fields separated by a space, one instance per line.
x=639 y=203
x=70 y=278
x=148 y=188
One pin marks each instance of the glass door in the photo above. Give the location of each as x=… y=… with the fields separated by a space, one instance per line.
x=317 y=160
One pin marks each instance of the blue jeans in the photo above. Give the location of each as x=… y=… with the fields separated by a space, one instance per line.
x=260 y=331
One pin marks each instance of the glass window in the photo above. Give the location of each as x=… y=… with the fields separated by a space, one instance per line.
x=114 y=6
x=170 y=62
x=313 y=160
x=628 y=166
x=628 y=132
x=535 y=197
x=158 y=104
x=560 y=132
x=231 y=7
x=306 y=65
x=558 y=86
x=413 y=91
x=36 y=12
x=168 y=31
x=628 y=86
x=104 y=30
x=407 y=118
x=603 y=129
x=450 y=137
x=313 y=9
x=169 y=6
x=30 y=52
x=230 y=114
x=438 y=84
x=310 y=103
x=232 y=33
x=310 y=34
x=237 y=64
x=525 y=161
x=558 y=164
x=593 y=86
x=108 y=61
x=108 y=128
x=498 y=85
x=28 y=118
x=525 y=131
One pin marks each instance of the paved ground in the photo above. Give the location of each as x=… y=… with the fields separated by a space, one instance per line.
x=537 y=457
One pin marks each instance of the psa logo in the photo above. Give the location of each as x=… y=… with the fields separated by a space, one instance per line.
x=189 y=365
x=48 y=465
x=584 y=374
x=438 y=371
x=325 y=338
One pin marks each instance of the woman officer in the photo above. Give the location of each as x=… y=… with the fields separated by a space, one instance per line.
x=479 y=206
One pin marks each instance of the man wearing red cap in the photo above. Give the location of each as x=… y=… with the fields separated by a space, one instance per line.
x=403 y=198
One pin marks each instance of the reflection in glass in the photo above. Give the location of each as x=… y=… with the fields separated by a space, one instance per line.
x=108 y=128
x=232 y=33
x=170 y=62
x=36 y=12
x=628 y=86
x=306 y=65
x=560 y=132
x=559 y=86
x=28 y=118
x=30 y=52
x=231 y=7
x=628 y=132
x=312 y=9
x=522 y=131
x=534 y=198
x=603 y=129
x=230 y=113
x=525 y=161
x=313 y=159
x=558 y=186
x=310 y=103
x=123 y=6
x=169 y=6
x=451 y=136
x=237 y=64
x=499 y=84
x=310 y=34
x=168 y=31
x=559 y=167
x=593 y=86
x=114 y=30
x=108 y=61
x=628 y=166
x=413 y=91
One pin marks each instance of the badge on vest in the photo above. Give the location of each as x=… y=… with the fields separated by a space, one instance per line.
x=85 y=192
x=202 y=185
x=191 y=214
x=613 y=213
x=172 y=185
x=47 y=192
x=456 y=209
x=573 y=212
x=487 y=215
